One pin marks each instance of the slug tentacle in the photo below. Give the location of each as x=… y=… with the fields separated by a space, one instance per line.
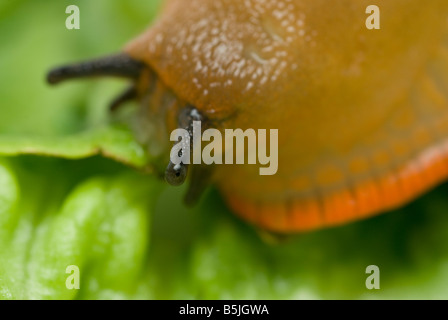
x=119 y=65
x=200 y=178
x=175 y=174
x=129 y=94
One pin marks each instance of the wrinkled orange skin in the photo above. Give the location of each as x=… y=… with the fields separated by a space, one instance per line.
x=362 y=114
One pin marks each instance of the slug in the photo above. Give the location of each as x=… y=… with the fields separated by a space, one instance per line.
x=362 y=115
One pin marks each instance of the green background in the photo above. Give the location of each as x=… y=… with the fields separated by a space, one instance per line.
x=127 y=231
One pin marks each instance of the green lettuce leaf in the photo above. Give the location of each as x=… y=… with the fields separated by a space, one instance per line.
x=113 y=141
x=100 y=224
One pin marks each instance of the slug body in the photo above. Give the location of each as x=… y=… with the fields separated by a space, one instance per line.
x=362 y=114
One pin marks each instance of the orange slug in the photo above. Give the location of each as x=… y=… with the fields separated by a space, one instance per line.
x=362 y=114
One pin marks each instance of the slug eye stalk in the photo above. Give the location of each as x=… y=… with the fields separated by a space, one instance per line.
x=176 y=174
x=200 y=175
x=119 y=65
